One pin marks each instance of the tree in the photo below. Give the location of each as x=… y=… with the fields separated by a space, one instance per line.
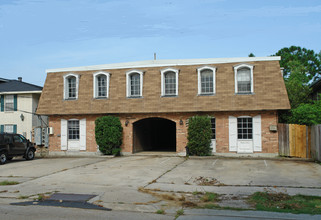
x=251 y=55
x=307 y=114
x=297 y=84
x=307 y=58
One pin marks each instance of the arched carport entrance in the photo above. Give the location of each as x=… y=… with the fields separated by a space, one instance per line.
x=154 y=134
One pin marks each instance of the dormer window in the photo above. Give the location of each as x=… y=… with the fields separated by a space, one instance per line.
x=206 y=80
x=243 y=79
x=71 y=82
x=169 y=78
x=134 y=83
x=101 y=85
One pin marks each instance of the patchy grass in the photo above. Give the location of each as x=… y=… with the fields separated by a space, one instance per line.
x=7 y=183
x=23 y=197
x=281 y=202
x=179 y=213
x=160 y=212
x=210 y=197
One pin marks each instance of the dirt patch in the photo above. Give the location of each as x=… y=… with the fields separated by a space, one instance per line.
x=207 y=181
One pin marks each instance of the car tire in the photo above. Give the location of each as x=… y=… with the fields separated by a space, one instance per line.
x=3 y=158
x=9 y=158
x=30 y=155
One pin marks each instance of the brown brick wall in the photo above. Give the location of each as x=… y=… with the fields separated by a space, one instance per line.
x=269 y=139
x=269 y=92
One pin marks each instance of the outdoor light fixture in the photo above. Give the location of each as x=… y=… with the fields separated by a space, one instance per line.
x=181 y=122
x=126 y=123
x=22 y=117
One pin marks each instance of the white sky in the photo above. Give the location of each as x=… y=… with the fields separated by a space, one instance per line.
x=36 y=35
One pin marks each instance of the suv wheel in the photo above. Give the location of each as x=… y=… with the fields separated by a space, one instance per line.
x=3 y=158
x=30 y=155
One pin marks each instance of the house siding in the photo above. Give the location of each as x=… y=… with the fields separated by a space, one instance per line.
x=269 y=139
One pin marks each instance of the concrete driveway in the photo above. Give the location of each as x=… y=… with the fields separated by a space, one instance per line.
x=115 y=181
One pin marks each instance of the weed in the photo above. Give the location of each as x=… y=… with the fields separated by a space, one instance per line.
x=179 y=213
x=42 y=197
x=23 y=197
x=210 y=197
x=7 y=183
x=197 y=193
x=160 y=212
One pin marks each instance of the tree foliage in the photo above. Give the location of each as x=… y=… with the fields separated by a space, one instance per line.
x=306 y=114
x=251 y=55
x=199 y=135
x=307 y=58
x=109 y=134
x=297 y=84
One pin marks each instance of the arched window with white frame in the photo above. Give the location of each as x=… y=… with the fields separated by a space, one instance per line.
x=206 y=80
x=101 y=85
x=71 y=85
x=134 y=83
x=244 y=79
x=169 y=82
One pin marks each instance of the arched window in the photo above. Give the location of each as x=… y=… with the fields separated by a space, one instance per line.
x=71 y=82
x=169 y=78
x=206 y=80
x=243 y=79
x=101 y=85
x=134 y=83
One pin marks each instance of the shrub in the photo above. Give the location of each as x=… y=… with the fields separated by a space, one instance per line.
x=199 y=135
x=109 y=134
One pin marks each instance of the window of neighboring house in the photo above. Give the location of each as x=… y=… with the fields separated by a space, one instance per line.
x=243 y=79
x=9 y=103
x=71 y=82
x=213 y=128
x=134 y=83
x=73 y=129
x=9 y=128
x=169 y=78
x=101 y=85
x=206 y=80
x=245 y=128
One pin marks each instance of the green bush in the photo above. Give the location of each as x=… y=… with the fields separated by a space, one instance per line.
x=199 y=135
x=109 y=134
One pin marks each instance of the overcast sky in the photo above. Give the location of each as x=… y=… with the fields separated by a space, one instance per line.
x=36 y=35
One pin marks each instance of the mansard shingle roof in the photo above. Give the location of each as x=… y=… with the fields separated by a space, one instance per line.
x=269 y=89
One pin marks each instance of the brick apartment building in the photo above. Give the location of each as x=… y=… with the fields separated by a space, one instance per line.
x=154 y=100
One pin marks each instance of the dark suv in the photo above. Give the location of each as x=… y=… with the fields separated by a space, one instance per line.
x=12 y=145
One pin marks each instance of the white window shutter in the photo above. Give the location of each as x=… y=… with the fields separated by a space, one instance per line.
x=63 y=132
x=257 y=139
x=232 y=133
x=82 y=134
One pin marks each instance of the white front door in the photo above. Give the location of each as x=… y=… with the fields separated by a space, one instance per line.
x=245 y=146
x=73 y=134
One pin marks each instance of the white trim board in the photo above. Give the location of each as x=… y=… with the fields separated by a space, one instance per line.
x=162 y=63
x=23 y=92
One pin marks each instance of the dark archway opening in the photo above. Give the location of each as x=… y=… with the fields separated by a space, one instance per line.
x=154 y=134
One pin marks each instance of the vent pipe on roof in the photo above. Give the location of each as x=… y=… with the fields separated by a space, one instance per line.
x=20 y=79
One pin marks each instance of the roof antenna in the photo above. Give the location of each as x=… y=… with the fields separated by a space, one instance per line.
x=154 y=56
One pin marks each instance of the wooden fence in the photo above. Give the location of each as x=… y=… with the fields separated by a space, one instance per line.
x=300 y=141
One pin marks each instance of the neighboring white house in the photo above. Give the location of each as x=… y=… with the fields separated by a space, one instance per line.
x=18 y=105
